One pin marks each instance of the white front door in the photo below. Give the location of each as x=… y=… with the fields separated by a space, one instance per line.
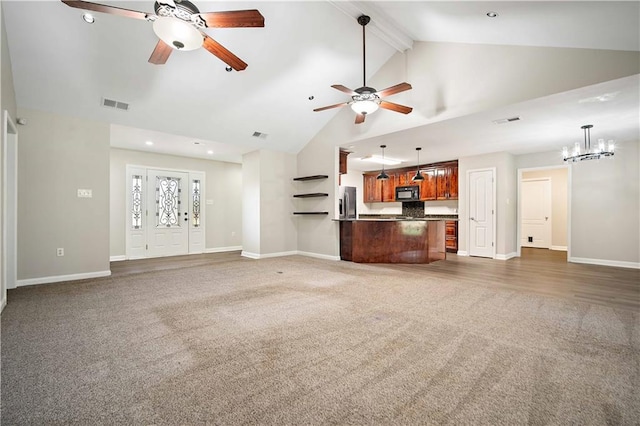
x=535 y=213
x=481 y=213
x=167 y=204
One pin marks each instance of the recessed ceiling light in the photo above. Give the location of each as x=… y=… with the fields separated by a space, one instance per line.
x=149 y=143
x=88 y=18
x=311 y=97
x=492 y=14
x=228 y=69
x=210 y=152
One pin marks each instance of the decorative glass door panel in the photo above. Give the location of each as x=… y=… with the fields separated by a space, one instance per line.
x=168 y=202
x=169 y=233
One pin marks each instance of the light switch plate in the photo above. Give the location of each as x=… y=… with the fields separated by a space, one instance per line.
x=85 y=193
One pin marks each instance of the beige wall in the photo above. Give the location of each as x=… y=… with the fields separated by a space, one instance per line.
x=559 y=202
x=268 y=188
x=7 y=91
x=223 y=186
x=57 y=155
x=604 y=205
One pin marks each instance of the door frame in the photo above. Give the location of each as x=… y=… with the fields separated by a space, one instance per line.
x=493 y=171
x=9 y=207
x=196 y=236
x=519 y=213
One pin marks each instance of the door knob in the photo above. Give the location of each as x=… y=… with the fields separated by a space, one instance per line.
x=546 y=218
x=472 y=218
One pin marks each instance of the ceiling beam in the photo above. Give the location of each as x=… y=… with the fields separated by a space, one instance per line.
x=381 y=25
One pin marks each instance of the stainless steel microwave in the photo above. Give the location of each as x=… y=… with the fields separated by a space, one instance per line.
x=408 y=193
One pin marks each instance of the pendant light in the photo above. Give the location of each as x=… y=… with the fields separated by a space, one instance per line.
x=589 y=153
x=418 y=177
x=383 y=175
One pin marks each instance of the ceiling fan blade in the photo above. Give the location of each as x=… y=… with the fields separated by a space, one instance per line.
x=331 y=106
x=233 y=19
x=394 y=89
x=112 y=10
x=346 y=90
x=360 y=118
x=225 y=55
x=395 y=107
x=160 y=53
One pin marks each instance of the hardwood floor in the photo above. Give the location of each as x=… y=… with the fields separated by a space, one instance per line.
x=538 y=271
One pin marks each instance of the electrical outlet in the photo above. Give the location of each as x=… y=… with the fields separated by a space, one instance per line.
x=59 y=252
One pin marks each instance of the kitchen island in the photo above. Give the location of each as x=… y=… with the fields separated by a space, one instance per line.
x=405 y=240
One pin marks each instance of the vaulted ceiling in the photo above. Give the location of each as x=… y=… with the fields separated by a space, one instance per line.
x=192 y=105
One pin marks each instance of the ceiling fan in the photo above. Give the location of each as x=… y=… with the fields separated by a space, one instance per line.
x=179 y=25
x=366 y=100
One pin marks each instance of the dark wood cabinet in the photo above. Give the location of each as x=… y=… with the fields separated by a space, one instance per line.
x=372 y=189
x=447 y=182
x=451 y=236
x=343 y=162
x=440 y=183
x=453 y=182
x=428 y=186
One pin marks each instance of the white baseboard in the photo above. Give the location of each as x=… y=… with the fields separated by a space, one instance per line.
x=318 y=255
x=222 y=249
x=250 y=255
x=60 y=278
x=506 y=256
x=3 y=304
x=288 y=253
x=604 y=262
x=462 y=253
x=559 y=248
x=117 y=258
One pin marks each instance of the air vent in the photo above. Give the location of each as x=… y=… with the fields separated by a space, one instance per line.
x=506 y=120
x=110 y=103
x=260 y=135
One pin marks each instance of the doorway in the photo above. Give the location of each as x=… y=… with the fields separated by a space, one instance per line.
x=9 y=259
x=164 y=214
x=482 y=218
x=533 y=213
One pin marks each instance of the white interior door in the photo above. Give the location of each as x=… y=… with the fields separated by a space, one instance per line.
x=481 y=213
x=535 y=213
x=168 y=218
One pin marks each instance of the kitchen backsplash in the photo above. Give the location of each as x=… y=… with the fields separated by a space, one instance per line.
x=413 y=208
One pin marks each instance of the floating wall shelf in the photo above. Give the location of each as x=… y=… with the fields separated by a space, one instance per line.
x=310 y=212
x=314 y=194
x=314 y=177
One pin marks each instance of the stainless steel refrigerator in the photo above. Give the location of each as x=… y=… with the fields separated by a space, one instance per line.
x=347 y=202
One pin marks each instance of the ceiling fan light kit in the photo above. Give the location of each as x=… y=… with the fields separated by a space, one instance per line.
x=180 y=26
x=366 y=100
x=177 y=33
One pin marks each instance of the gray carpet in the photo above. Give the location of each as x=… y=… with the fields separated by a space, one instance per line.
x=305 y=341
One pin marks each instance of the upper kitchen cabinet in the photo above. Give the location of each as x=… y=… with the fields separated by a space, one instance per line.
x=428 y=190
x=371 y=189
x=377 y=191
x=447 y=181
x=343 y=161
x=440 y=183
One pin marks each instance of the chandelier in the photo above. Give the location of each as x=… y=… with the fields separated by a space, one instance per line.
x=595 y=153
